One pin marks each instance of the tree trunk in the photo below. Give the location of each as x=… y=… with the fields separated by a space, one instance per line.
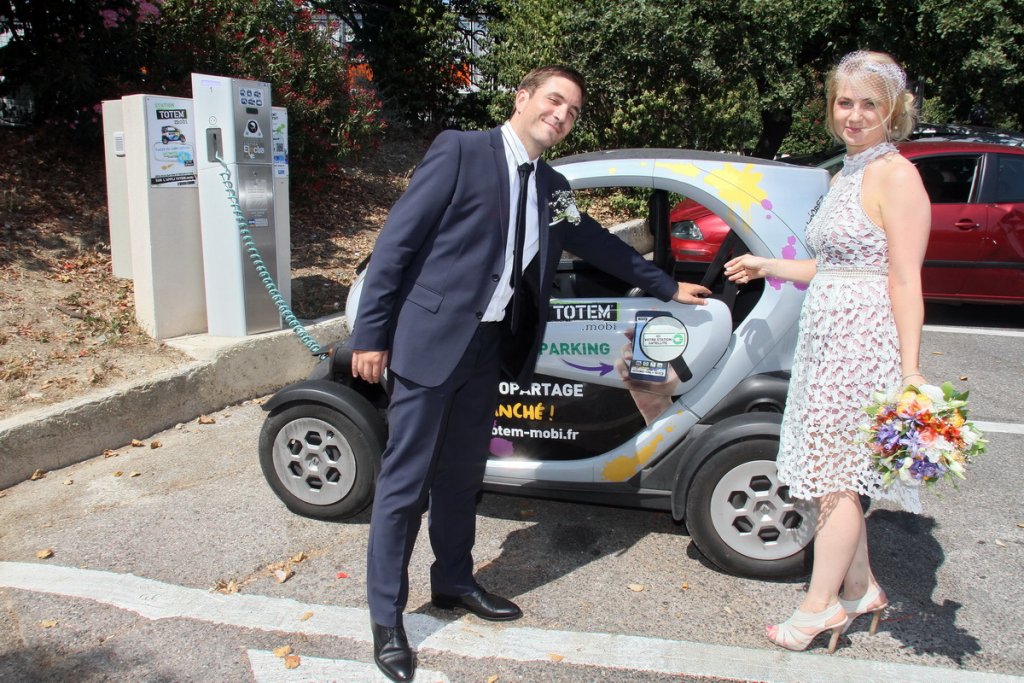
x=775 y=125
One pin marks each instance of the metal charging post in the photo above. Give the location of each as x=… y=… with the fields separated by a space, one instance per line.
x=234 y=125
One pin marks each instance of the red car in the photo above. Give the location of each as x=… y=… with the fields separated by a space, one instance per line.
x=976 y=249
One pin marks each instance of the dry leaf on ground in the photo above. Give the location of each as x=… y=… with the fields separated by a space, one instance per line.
x=493 y=678
x=226 y=586
x=44 y=554
x=48 y=623
x=118 y=473
x=306 y=616
x=69 y=482
x=282 y=651
x=554 y=657
x=155 y=444
x=292 y=662
x=206 y=420
x=635 y=587
x=109 y=453
x=342 y=575
x=685 y=586
x=38 y=474
x=300 y=557
x=137 y=443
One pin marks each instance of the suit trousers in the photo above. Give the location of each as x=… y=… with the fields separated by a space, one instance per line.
x=435 y=459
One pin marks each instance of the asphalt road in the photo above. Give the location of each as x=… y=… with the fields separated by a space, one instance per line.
x=609 y=594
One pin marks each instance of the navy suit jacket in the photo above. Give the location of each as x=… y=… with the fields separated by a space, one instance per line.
x=441 y=252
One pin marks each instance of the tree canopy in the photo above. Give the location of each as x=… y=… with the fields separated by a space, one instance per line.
x=747 y=75
x=740 y=75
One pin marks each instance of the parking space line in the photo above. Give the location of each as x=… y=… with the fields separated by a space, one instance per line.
x=999 y=427
x=267 y=668
x=985 y=331
x=156 y=600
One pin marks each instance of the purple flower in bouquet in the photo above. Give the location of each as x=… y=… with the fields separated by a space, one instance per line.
x=926 y=471
x=912 y=442
x=888 y=436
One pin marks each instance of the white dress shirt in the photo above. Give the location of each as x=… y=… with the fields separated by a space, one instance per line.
x=515 y=155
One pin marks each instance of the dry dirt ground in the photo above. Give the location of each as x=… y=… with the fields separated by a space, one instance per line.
x=67 y=326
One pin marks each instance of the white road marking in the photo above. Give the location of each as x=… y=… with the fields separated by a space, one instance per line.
x=268 y=668
x=983 y=331
x=999 y=427
x=156 y=600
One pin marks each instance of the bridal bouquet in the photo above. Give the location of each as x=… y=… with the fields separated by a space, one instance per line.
x=920 y=434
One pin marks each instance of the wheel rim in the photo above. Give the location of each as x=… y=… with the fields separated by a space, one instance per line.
x=755 y=516
x=313 y=462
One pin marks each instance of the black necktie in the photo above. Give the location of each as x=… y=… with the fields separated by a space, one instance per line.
x=520 y=243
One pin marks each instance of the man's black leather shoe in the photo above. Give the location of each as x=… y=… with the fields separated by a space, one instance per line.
x=392 y=653
x=481 y=603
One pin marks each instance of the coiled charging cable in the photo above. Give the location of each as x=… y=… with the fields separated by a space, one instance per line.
x=249 y=244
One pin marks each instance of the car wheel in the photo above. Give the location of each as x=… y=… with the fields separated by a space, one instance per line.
x=743 y=520
x=163 y=139
x=318 y=462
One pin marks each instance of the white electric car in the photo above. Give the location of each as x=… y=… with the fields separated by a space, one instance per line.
x=635 y=402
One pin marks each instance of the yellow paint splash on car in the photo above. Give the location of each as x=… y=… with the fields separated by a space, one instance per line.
x=740 y=188
x=625 y=466
x=688 y=170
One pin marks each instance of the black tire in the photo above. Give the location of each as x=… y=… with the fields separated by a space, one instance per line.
x=743 y=520
x=318 y=462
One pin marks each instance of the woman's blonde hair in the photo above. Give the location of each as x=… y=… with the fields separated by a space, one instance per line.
x=879 y=74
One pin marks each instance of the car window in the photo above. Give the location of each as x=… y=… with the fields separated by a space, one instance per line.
x=948 y=179
x=1010 y=171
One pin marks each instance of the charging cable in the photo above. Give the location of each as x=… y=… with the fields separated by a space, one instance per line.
x=249 y=244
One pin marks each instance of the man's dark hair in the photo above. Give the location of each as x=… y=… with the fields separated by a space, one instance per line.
x=540 y=75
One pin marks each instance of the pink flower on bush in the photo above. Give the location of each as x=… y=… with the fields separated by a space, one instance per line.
x=110 y=18
x=147 y=11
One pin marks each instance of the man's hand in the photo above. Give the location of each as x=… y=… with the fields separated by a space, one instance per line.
x=689 y=293
x=369 y=365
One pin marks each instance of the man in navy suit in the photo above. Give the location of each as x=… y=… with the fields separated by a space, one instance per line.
x=433 y=312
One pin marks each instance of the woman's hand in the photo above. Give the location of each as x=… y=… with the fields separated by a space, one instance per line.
x=912 y=379
x=747 y=267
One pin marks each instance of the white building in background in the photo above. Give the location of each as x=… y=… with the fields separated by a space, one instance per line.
x=18 y=108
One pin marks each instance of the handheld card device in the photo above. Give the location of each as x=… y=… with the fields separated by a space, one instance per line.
x=642 y=368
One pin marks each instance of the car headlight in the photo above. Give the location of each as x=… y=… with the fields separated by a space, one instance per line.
x=686 y=230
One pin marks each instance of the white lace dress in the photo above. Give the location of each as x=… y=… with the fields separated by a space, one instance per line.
x=846 y=348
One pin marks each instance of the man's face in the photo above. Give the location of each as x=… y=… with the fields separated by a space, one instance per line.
x=545 y=116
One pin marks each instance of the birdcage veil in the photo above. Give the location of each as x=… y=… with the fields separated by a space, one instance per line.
x=878 y=77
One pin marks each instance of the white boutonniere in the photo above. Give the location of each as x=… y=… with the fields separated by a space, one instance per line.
x=563 y=208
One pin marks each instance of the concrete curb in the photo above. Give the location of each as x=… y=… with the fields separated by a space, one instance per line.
x=226 y=371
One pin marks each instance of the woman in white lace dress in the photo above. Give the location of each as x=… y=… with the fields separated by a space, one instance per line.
x=860 y=331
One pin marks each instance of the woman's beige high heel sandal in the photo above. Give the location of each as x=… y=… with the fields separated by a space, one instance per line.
x=873 y=601
x=792 y=634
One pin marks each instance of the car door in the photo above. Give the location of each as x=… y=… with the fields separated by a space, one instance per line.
x=959 y=222
x=1000 y=273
